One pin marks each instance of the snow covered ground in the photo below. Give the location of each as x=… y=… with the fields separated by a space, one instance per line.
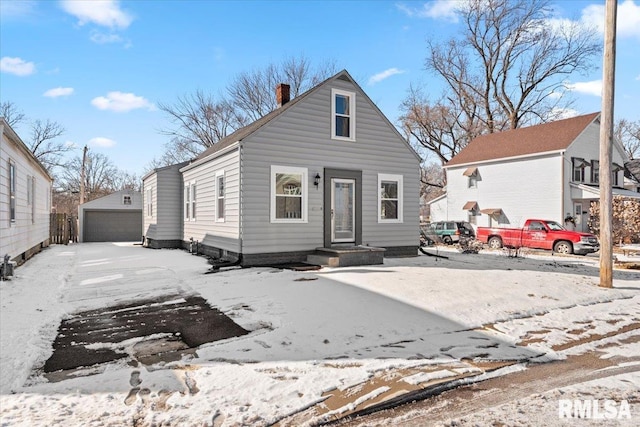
x=312 y=333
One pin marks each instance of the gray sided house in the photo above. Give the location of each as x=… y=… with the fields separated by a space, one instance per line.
x=324 y=170
x=162 y=207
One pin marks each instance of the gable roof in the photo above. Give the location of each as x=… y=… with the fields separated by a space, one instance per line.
x=632 y=169
x=12 y=136
x=248 y=130
x=546 y=137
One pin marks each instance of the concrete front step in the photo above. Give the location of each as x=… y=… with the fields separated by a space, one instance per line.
x=347 y=256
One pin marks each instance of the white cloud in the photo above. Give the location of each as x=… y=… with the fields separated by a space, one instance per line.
x=593 y=87
x=58 y=91
x=121 y=102
x=106 y=13
x=102 y=142
x=435 y=9
x=17 y=66
x=102 y=38
x=561 y=113
x=628 y=18
x=376 y=78
x=14 y=9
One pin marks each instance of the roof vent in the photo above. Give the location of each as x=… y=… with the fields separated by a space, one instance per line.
x=282 y=94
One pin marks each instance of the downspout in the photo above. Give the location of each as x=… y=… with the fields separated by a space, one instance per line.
x=562 y=187
x=241 y=204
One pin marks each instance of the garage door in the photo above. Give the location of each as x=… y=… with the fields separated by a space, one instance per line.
x=112 y=226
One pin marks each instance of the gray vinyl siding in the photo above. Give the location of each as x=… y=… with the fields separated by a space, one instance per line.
x=165 y=223
x=31 y=226
x=300 y=137
x=150 y=223
x=204 y=228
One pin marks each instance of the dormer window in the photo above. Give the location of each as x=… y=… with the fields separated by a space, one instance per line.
x=343 y=115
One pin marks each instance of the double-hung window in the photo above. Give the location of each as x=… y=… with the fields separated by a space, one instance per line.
x=595 y=171
x=193 y=201
x=578 y=166
x=389 y=198
x=149 y=197
x=187 y=202
x=343 y=115
x=12 y=192
x=220 y=196
x=288 y=194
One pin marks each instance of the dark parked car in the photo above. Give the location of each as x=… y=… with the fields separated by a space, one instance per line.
x=450 y=232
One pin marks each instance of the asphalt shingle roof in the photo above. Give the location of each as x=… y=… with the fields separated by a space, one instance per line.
x=541 y=138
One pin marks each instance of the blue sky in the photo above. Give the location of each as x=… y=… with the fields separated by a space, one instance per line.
x=99 y=68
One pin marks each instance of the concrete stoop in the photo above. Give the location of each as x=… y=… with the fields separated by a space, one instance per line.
x=390 y=388
x=347 y=256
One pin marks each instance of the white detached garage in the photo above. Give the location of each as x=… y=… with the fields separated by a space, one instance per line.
x=113 y=218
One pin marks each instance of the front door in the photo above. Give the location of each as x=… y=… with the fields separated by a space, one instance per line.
x=343 y=210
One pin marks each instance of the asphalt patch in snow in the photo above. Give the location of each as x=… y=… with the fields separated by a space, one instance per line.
x=150 y=331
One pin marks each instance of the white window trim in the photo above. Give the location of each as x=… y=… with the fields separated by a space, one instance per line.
x=398 y=179
x=305 y=193
x=219 y=174
x=149 y=197
x=193 y=191
x=352 y=114
x=12 y=191
x=124 y=196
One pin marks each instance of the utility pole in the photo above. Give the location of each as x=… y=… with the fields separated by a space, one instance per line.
x=606 y=140
x=82 y=174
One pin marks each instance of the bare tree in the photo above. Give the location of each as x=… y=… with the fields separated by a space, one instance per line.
x=252 y=93
x=628 y=133
x=506 y=69
x=45 y=144
x=199 y=122
x=101 y=175
x=12 y=115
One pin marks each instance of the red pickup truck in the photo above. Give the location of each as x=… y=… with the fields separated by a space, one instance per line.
x=540 y=234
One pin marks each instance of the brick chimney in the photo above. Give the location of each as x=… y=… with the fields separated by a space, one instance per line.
x=282 y=94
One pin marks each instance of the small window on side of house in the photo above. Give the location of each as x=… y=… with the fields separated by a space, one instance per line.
x=187 y=203
x=578 y=166
x=193 y=201
x=220 y=196
x=12 y=192
x=595 y=171
x=126 y=199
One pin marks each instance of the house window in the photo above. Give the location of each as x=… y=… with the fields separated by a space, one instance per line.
x=389 y=198
x=343 y=115
x=578 y=166
x=220 y=183
x=595 y=171
x=150 y=202
x=193 y=201
x=473 y=181
x=288 y=194
x=12 y=192
x=126 y=199
x=187 y=203
x=32 y=185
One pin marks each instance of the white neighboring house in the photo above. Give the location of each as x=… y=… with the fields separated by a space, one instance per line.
x=25 y=198
x=546 y=171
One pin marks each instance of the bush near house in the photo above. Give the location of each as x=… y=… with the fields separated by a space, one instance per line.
x=626 y=219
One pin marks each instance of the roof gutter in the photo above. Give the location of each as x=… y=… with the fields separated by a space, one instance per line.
x=524 y=156
x=212 y=156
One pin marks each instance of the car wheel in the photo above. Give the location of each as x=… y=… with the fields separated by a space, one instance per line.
x=495 y=242
x=447 y=240
x=563 y=247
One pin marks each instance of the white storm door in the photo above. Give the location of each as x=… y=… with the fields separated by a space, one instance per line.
x=343 y=210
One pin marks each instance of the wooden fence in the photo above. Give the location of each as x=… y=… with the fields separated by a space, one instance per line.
x=63 y=228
